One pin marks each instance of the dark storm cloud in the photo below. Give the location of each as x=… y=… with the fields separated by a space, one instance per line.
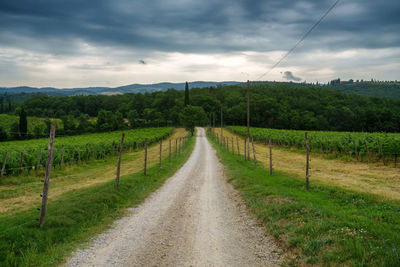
x=206 y=26
x=288 y=75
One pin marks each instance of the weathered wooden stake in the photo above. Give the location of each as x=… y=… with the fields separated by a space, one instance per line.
x=345 y=146
x=248 y=148
x=73 y=157
x=38 y=162
x=245 y=151
x=62 y=158
x=160 y=151
x=121 y=146
x=176 y=146
x=270 y=155
x=366 y=149
x=145 y=157
x=87 y=155
x=233 y=147
x=20 y=163
x=79 y=156
x=237 y=143
x=381 y=151
x=254 y=152
x=169 y=157
x=334 y=147
x=49 y=163
x=4 y=165
x=307 y=162
x=355 y=148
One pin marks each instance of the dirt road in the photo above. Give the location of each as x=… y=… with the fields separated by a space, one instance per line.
x=194 y=219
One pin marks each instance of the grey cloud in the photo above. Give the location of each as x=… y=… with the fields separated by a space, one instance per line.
x=207 y=26
x=288 y=75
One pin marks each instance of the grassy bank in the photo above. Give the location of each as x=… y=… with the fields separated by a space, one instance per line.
x=76 y=216
x=326 y=226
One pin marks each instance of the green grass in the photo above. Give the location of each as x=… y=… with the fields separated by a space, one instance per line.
x=76 y=217
x=326 y=226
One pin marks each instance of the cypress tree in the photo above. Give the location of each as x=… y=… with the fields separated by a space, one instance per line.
x=186 y=94
x=23 y=123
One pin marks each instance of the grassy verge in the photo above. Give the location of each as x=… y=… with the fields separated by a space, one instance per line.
x=326 y=226
x=76 y=216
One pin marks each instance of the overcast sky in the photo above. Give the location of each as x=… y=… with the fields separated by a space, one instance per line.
x=74 y=43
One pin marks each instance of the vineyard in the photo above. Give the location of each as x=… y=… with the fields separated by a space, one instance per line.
x=356 y=144
x=25 y=156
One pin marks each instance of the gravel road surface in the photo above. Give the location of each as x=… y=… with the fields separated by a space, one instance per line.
x=195 y=219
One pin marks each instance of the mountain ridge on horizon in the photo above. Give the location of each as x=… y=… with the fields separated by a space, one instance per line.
x=102 y=90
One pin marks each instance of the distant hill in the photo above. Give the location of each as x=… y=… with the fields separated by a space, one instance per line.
x=389 y=90
x=132 y=88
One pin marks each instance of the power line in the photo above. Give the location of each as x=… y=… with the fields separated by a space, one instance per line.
x=301 y=40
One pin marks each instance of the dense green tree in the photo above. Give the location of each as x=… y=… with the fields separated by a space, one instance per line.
x=23 y=123
x=15 y=130
x=192 y=116
x=3 y=134
x=186 y=94
x=133 y=117
x=84 y=124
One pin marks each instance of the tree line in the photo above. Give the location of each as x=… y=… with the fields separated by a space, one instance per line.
x=277 y=106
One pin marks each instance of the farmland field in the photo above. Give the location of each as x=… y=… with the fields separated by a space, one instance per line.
x=373 y=178
x=76 y=148
x=349 y=143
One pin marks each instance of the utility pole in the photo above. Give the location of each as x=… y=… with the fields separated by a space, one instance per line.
x=221 y=124
x=248 y=109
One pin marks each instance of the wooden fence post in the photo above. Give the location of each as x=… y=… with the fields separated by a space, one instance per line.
x=355 y=148
x=87 y=155
x=381 y=151
x=322 y=149
x=345 y=146
x=366 y=149
x=145 y=157
x=245 y=151
x=73 y=156
x=49 y=163
x=4 y=165
x=62 y=158
x=160 y=151
x=270 y=155
x=233 y=147
x=20 y=163
x=176 y=146
x=237 y=142
x=248 y=148
x=79 y=156
x=307 y=162
x=121 y=146
x=254 y=152
x=169 y=157
x=38 y=162
x=334 y=147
